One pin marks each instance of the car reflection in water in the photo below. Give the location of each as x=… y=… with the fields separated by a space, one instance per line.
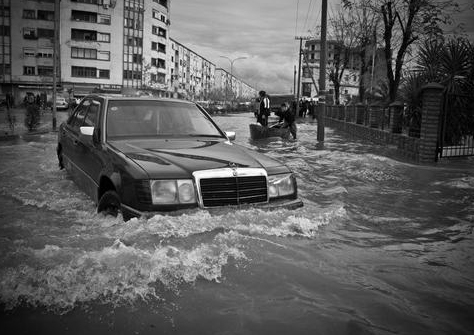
x=139 y=156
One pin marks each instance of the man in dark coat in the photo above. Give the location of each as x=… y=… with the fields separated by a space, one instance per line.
x=288 y=119
x=264 y=109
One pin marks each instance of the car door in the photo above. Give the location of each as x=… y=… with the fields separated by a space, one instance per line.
x=90 y=156
x=70 y=140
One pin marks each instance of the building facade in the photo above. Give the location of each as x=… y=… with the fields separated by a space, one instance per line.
x=233 y=88
x=311 y=66
x=103 y=44
x=192 y=76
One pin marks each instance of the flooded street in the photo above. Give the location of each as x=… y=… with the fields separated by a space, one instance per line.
x=381 y=246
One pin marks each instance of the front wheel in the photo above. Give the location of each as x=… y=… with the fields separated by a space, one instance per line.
x=109 y=204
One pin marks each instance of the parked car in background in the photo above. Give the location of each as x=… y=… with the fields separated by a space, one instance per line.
x=61 y=103
x=140 y=156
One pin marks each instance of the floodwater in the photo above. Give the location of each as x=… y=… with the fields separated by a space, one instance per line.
x=381 y=246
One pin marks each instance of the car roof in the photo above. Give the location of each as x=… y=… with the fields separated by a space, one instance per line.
x=135 y=97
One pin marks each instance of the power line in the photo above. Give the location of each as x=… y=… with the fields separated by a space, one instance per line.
x=296 y=18
x=307 y=14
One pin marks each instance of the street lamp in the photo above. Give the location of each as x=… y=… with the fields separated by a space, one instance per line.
x=231 y=77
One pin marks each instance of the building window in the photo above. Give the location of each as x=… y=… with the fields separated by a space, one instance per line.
x=45 y=54
x=137 y=58
x=45 y=15
x=5 y=69
x=104 y=74
x=103 y=37
x=164 y=3
x=160 y=47
x=84 y=72
x=79 y=15
x=158 y=31
x=4 y=30
x=161 y=63
x=103 y=55
x=29 y=33
x=45 y=33
x=159 y=16
x=133 y=41
x=29 y=52
x=46 y=71
x=129 y=74
x=29 y=70
x=29 y=14
x=83 y=35
x=83 y=53
x=4 y=11
x=104 y=19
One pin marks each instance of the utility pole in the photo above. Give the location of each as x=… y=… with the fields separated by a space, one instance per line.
x=298 y=84
x=55 y=56
x=322 y=72
x=300 y=52
x=294 y=81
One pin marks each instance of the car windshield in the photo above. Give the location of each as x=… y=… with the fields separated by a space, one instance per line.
x=153 y=118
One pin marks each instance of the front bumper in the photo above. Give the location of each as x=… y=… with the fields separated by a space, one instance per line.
x=274 y=205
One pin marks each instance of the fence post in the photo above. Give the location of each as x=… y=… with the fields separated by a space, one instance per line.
x=360 y=113
x=375 y=113
x=432 y=97
x=396 y=110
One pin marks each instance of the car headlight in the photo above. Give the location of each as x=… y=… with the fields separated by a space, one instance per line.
x=281 y=185
x=165 y=192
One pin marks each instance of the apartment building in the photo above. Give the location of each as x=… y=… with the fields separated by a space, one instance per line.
x=106 y=44
x=26 y=38
x=233 y=88
x=192 y=76
x=311 y=67
x=103 y=44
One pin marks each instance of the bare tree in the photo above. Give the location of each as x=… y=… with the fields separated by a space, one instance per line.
x=405 y=23
x=343 y=30
x=365 y=24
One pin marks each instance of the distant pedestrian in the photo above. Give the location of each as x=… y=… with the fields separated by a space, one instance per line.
x=288 y=118
x=264 y=109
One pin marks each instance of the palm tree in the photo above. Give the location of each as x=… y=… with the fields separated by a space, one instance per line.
x=451 y=63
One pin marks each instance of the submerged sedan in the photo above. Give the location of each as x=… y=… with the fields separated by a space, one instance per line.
x=140 y=156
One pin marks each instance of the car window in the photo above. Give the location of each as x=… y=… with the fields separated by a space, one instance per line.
x=145 y=118
x=77 y=119
x=91 y=116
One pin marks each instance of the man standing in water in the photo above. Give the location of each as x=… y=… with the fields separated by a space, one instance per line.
x=288 y=119
x=264 y=109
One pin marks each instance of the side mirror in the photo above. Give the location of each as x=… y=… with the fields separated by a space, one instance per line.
x=86 y=134
x=230 y=135
x=87 y=131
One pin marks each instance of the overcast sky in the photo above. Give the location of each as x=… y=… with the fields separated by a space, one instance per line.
x=262 y=30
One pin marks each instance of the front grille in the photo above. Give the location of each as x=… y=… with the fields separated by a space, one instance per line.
x=233 y=190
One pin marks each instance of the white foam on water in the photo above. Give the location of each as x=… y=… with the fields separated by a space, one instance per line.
x=465 y=183
x=116 y=274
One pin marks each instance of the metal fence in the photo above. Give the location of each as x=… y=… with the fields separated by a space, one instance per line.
x=456 y=127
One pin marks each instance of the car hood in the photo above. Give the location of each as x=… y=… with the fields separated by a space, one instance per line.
x=178 y=158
